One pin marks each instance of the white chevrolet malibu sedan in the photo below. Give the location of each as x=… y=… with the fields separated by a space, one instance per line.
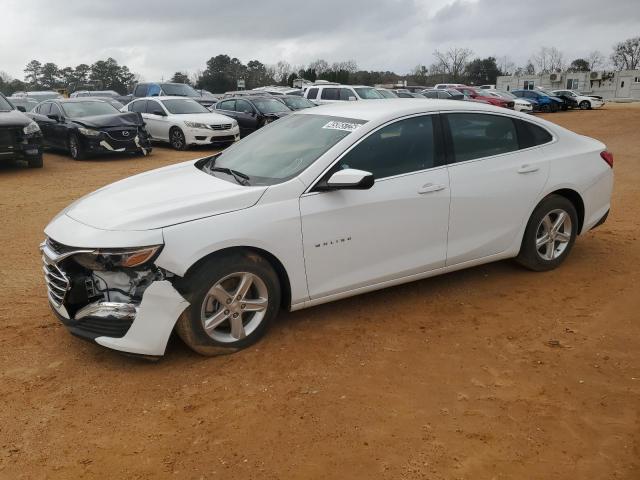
x=323 y=204
x=183 y=122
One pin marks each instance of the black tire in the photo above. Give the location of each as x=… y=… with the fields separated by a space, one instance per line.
x=75 y=148
x=584 y=105
x=545 y=108
x=530 y=255
x=554 y=108
x=195 y=288
x=35 y=162
x=176 y=139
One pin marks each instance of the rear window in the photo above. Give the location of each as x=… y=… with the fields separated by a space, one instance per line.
x=531 y=135
x=330 y=94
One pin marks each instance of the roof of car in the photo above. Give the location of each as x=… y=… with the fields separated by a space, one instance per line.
x=75 y=100
x=165 y=97
x=251 y=98
x=394 y=108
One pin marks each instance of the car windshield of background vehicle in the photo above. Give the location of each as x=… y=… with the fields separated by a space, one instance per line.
x=287 y=147
x=88 y=109
x=182 y=107
x=368 y=93
x=180 y=90
x=297 y=103
x=269 y=105
x=5 y=106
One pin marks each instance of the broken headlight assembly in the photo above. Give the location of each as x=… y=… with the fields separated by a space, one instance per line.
x=110 y=259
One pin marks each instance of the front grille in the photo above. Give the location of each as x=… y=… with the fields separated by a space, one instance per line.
x=8 y=139
x=226 y=138
x=124 y=135
x=58 y=283
x=224 y=126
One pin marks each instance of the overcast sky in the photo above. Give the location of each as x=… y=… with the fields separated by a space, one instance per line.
x=156 y=38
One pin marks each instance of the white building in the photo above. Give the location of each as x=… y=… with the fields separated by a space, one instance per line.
x=621 y=85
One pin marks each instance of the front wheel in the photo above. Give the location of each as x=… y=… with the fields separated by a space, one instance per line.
x=584 y=105
x=75 y=148
x=233 y=299
x=35 y=162
x=554 y=107
x=176 y=139
x=550 y=234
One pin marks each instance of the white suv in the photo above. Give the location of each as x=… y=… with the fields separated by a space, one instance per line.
x=332 y=93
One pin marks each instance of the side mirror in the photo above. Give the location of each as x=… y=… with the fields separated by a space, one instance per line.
x=348 y=179
x=352 y=99
x=54 y=117
x=20 y=108
x=160 y=113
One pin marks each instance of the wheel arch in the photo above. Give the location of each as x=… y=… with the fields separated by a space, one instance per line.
x=576 y=199
x=276 y=264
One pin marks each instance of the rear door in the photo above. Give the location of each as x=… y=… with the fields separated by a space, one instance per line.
x=497 y=172
x=247 y=116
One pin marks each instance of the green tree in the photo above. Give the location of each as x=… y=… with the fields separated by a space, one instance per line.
x=180 y=77
x=82 y=72
x=32 y=72
x=626 y=55
x=579 y=65
x=482 y=71
x=49 y=75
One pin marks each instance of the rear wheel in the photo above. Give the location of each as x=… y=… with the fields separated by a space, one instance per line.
x=75 y=148
x=176 y=139
x=35 y=162
x=554 y=107
x=584 y=105
x=550 y=234
x=233 y=299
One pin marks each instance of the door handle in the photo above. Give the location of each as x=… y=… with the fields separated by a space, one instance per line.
x=528 y=169
x=430 y=187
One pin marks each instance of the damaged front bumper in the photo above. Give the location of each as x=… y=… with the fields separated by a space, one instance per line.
x=138 y=323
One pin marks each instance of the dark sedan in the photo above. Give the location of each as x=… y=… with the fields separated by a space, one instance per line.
x=295 y=102
x=87 y=127
x=252 y=112
x=20 y=137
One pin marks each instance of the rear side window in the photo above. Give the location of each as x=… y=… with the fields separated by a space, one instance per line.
x=531 y=135
x=313 y=94
x=330 y=94
x=477 y=135
x=402 y=147
x=153 y=107
x=140 y=106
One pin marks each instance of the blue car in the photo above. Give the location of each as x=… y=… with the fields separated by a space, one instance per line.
x=543 y=102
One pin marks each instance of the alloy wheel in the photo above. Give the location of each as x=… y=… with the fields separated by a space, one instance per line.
x=553 y=234
x=234 y=307
x=177 y=139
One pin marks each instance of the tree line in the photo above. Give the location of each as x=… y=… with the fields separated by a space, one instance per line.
x=222 y=72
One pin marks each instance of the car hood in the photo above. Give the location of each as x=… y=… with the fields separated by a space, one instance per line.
x=208 y=118
x=128 y=119
x=159 y=198
x=277 y=114
x=14 y=118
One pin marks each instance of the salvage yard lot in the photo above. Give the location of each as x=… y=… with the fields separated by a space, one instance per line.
x=492 y=372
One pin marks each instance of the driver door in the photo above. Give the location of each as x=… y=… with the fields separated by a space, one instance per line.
x=157 y=125
x=357 y=238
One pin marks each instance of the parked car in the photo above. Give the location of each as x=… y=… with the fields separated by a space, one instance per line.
x=294 y=102
x=519 y=104
x=449 y=94
x=386 y=93
x=440 y=86
x=86 y=127
x=183 y=122
x=331 y=93
x=583 y=102
x=110 y=100
x=20 y=136
x=487 y=87
x=305 y=212
x=39 y=96
x=24 y=104
x=102 y=94
x=566 y=103
x=164 y=89
x=252 y=112
x=246 y=93
x=478 y=94
x=402 y=93
x=545 y=102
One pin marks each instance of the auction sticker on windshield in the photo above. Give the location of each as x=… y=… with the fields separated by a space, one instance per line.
x=344 y=126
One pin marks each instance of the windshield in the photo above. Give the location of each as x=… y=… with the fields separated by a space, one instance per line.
x=297 y=103
x=368 y=93
x=179 y=90
x=5 y=106
x=184 y=106
x=270 y=105
x=285 y=148
x=387 y=94
x=88 y=109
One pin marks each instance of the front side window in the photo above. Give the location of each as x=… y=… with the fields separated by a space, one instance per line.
x=402 y=147
x=270 y=105
x=141 y=90
x=139 y=106
x=313 y=93
x=477 y=135
x=368 y=93
x=286 y=148
x=244 y=106
x=153 y=107
x=45 y=108
x=346 y=93
x=229 y=105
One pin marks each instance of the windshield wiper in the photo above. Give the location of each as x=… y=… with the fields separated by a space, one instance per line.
x=239 y=177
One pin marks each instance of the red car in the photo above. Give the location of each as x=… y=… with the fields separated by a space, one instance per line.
x=478 y=94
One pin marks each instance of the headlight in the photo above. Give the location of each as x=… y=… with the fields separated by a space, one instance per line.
x=196 y=125
x=234 y=124
x=116 y=258
x=87 y=132
x=31 y=128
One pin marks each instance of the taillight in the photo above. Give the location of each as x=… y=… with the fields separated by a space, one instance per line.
x=607 y=156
